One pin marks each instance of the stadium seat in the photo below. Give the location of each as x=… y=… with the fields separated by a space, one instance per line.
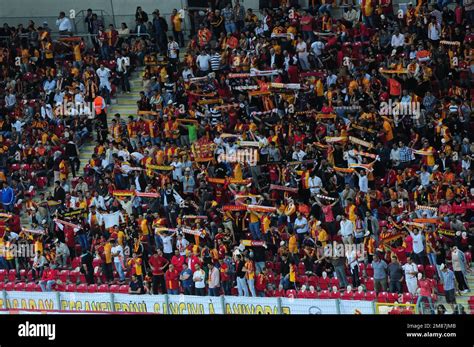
x=76 y=262
x=9 y=286
x=114 y=288
x=3 y=275
x=123 y=289
x=392 y=297
x=370 y=295
x=12 y=275
x=23 y=274
x=64 y=276
x=430 y=271
x=348 y=295
x=312 y=295
x=302 y=295
x=407 y=298
x=103 y=288
x=30 y=287
x=370 y=270
x=324 y=294
x=421 y=268
x=291 y=293
x=468 y=256
x=361 y=268
x=74 y=276
x=96 y=262
x=2 y=285
x=302 y=280
x=301 y=269
x=71 y=287
x=29 y=275
x=369 y=284
x=359 y=295
x=82 y=288
x=324 y=283
x=313 y=281
x=334 y=282
x=20 y=286
x=92 y=288
x=382 y=297
x=335 y=295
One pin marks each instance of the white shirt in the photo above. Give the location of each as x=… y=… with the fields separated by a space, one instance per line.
x=433 y=31
x=347 y=227
x=173 y=48
x=418 y=246
x=317 y=48
x=410 y=268
x=315 y=184
x=398 y=41
x=303 y=222
x=64 y=24
x=104 y=78
x=204 y=62
x=299 y=155
x=167 y=245
x=117 y=249
x=364 y=183
x=178 y=170
x=181 y=246
x=199 y=274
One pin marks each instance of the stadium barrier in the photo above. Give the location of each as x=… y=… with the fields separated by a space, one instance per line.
x=66 y=302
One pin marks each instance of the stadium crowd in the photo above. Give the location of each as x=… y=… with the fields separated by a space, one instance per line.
x=254 y=158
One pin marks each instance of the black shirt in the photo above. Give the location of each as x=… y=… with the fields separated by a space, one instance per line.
x=134 y=286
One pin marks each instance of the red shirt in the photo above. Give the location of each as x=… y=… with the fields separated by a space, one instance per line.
x=178 y=262
x=224 y=274
x=157 y=262
x=459 y=208
x=261 y=282
x=425 y=287
x=172 y=279
x=409 y=244
x=192 y=261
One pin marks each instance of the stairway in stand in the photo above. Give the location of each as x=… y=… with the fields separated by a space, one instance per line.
x=125 y=104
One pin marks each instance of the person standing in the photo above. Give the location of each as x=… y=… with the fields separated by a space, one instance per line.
x=172 y=280
x=380 y=274
x=460 y=269
x=87 y=267
x=448 y=279
x=214 y=280
x=249 y=269
x=158 y=264
x=426 y=291
x=118 y=256
x=395 y=275
x=64 y=24
x=199 y=281
x=186 y=278
x=123 y=64
x=240 y=276
x=177 y=26
x=411 y=271
x=8 y=197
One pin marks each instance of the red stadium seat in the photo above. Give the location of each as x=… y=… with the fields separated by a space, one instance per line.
x=324 y=294
x=302 y=280
x=407 y=298
x=114 y=288
x=9 y=286
x=313 y=281
x=361 y=268
x=369 y=284
x=82 y=288
x=76 y=262
x=370 y=295
x=103 y=288
x=382 y=297
x=23 y=274
x=312 y=295
x=64 y=276
x=324 y=283
x=335 y=295
x=334 y=282
x=12 y=275
x=370 y=270
x=468 y=256
x=74 y=276
x=29 y=275
x=430 y=271
x=2 y=285
x=302 y=295
x=20 y=286
x=71 y=287
x=96 y=262
x=359 y=295
x=301 y=269
x=291 y=293
x=421 y=268
x=92 y=288
x=348 y=295
x=30 y=287
x=123 y=289
x=392 y=297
